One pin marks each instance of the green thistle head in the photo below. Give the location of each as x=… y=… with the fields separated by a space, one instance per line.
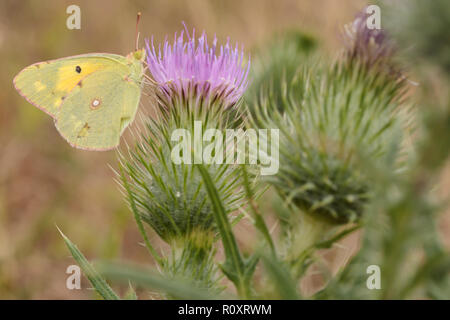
x=198 y=87
x=171 y=197
x=328 y=117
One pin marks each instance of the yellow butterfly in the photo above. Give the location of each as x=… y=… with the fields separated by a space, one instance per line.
x=92 y=97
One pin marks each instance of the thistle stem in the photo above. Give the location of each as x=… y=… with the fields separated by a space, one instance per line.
x=310 y=231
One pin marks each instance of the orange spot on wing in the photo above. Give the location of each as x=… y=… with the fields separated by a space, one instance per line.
x=68 y=77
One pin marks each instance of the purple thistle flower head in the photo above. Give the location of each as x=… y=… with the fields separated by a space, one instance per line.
x=370 y=46
x=188 y=64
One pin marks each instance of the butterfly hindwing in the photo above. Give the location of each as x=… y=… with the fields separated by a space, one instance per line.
x=95 y=113
x=46 y=84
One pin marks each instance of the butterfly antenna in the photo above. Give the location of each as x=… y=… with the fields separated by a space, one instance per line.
x=137 y=30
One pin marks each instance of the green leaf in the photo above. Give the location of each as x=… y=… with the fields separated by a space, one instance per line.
x=233 y=223
x=234 y=266
x=251 y=265
x=95 y=279
x=233 y=256
x=177 y=288
x=326 y=244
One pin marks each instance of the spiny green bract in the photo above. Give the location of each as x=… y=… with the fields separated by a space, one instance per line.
x=192 y=258
x=328 y=117
x=171 y=197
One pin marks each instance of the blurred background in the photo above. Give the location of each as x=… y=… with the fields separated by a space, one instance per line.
x=45 y=183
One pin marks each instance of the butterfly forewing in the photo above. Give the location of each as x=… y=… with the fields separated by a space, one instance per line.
x=95 y=113
x=47 y=84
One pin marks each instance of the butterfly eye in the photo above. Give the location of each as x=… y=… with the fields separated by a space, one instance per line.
x=78 y=69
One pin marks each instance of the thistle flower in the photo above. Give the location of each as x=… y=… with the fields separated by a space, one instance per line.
x=171 y=197
x=189 y=63
x=196 y=90
x=368 y=46
x=195 y=86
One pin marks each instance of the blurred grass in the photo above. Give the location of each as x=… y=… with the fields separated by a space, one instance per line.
x=44 y=182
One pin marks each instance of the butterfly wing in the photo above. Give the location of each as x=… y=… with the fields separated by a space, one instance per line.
x=95 y=113
x=46 y=84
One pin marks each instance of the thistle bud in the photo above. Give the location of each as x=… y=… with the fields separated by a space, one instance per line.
x=327 y=119
x=370 y=47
